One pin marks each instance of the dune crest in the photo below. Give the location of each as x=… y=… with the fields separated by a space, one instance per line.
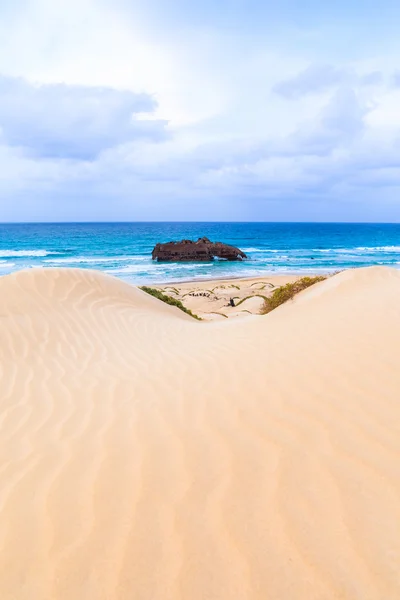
x=147 y=456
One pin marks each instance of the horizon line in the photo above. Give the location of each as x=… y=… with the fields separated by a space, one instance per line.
x=200 y=222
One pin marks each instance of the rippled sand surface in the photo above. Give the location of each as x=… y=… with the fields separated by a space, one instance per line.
x=148 y=456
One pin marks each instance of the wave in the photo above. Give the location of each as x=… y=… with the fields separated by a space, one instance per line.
x=128 y=269
x=288 y=252
x=380 y=248
x=357 y=249
x=24 y=253
x=156 y=269
x=266 y=250
x=178 y=266
x=100 y=259
x=253 y=250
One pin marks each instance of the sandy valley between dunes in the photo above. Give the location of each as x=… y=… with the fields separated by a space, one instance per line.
x=210 y=300
x=148 y=456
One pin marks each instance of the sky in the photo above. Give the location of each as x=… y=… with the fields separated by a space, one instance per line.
x=120 y=110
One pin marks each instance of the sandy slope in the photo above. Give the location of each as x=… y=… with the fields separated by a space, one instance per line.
x=147 y=456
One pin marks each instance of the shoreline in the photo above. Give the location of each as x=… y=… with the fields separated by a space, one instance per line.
x=269 y=274
x=191 y=280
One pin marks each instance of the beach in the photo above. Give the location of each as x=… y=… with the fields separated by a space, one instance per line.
x=145 y=455
x=217 y=299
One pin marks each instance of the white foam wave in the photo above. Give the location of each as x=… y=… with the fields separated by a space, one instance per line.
x=379 y=248
x=23 y=253
x=334 y=250
x=156 y=269
x=357 y=250
x=91 y=260
x=127 y=269
x=178 y=266
x=253 y=250
x=264 y=250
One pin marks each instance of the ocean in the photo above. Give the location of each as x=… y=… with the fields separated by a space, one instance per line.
x=124 y=249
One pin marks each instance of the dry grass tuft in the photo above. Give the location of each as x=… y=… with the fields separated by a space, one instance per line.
x=288 y=291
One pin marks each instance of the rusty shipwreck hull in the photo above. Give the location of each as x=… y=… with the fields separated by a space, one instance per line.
x=202 y=250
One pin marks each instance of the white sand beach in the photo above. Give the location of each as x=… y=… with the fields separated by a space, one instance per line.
x=145 y=455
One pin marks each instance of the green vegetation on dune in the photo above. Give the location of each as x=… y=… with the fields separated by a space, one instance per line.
x=252 y=296
x=171 y=288
x=168 y=300
x=263 y=284
x=288 y=291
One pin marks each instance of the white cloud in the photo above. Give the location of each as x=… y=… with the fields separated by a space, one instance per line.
x=78 y=122
x=314 y=79
x=183 y=120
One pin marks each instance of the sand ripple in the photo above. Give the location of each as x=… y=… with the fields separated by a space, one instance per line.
x=147 y=456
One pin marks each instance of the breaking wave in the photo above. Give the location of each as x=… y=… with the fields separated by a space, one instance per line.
x=24 y=253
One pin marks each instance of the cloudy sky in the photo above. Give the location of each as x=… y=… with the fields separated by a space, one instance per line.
x=213 y=110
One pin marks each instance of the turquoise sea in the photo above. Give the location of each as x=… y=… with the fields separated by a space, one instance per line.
x=124 y=249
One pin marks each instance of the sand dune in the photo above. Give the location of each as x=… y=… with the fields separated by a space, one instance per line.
x=147 y=456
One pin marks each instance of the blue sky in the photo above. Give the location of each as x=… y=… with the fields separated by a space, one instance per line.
x=177 y=110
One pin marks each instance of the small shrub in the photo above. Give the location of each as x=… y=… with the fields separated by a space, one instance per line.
x=168 y=300
x=287 y=292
